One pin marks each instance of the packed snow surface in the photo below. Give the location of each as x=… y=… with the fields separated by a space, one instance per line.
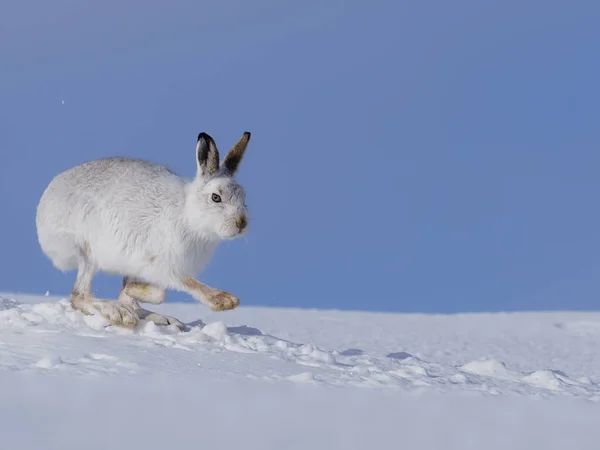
x=265 y=378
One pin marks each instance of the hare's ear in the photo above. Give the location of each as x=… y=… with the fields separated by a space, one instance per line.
x=234 y=156
x=207 y=155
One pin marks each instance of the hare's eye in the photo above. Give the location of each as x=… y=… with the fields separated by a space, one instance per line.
x=216 y=198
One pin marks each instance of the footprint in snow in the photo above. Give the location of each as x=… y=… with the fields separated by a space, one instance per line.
x=399 y=355
x=352 y=352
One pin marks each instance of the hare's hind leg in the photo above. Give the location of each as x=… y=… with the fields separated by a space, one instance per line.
x=133 y=292
x=83 y=299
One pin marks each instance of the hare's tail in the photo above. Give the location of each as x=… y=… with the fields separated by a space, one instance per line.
x=62 y=251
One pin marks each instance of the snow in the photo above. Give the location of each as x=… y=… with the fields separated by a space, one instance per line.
x=262 y=378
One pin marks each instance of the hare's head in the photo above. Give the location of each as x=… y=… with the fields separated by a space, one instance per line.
x=217 y=203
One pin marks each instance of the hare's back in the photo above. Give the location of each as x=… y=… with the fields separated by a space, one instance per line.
x=97 y=174
x=116 y=178
x=114 y=183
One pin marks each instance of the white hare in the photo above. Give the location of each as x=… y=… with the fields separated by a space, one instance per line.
x=140 y=220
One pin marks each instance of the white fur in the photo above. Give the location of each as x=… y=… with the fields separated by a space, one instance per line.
x=137 y=219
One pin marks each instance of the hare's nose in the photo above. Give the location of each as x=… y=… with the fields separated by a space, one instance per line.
x=241 y=222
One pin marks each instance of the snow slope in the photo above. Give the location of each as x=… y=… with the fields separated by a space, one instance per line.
x=261 y=378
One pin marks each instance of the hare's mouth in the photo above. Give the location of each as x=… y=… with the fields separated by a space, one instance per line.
x=234 y=233
x=235 y=228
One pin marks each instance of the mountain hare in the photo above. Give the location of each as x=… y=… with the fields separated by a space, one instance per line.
x=140 y=220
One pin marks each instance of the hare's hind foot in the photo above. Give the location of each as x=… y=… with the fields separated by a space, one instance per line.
x=133 y=292
x=159 y=319
x=117 y=314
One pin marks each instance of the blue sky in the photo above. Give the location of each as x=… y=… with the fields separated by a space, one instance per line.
x=406 y=156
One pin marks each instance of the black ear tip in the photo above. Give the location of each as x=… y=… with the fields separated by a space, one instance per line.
x=204 y=136
x=247 y=134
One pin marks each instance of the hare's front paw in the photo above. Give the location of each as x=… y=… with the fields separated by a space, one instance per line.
x=222 y=301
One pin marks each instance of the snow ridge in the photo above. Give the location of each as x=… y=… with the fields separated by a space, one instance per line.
x=51 y=337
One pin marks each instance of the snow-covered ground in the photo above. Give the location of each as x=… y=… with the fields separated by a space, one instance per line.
x=263 y=378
